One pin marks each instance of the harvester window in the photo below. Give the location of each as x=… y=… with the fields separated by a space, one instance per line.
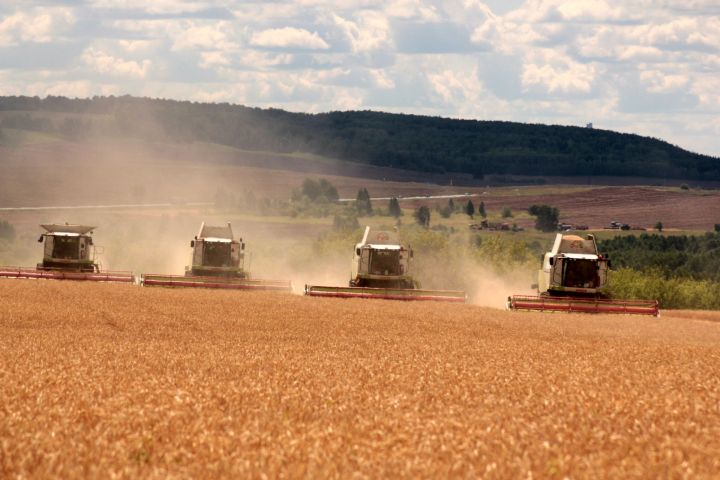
x=216 y=254
x=580 y=273
x=66 y=248
x=385 y=262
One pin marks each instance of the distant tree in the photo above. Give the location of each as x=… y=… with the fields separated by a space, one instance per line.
x=506 y=212
x=481 y=210
x=684 y=186
x=394 y=207
x=310 y=188
x=346 y=222
x=319 y=190
x=422 y=216
x=717 y=228
x=470 y=209
x=659 y=227
x=451 y=205
x=362 y=202
x=328 y=190
x=547 y=217
x=7 y=231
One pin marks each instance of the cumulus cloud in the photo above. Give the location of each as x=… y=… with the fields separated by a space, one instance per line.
x=135 y=46
x=154 y=7
x=105 y=63
x=37 y=25
x=453 y=87
x=288 y=37
x=556 y=73
x=662 y=82
x=368 y=31
x=381 y=79
x=191 y=35
x=413 y=9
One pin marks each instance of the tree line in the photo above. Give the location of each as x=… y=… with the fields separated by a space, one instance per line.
x=694 y=257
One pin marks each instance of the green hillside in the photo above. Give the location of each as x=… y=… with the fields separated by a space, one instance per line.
x=421 y=143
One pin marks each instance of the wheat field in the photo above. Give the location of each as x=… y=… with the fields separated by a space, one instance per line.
x=117 y=381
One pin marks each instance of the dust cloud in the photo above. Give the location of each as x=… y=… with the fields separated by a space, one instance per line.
x=163 y=183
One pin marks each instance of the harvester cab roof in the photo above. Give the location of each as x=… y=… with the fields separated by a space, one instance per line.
x=575 y=244
x=66 y=230
x=213 y=232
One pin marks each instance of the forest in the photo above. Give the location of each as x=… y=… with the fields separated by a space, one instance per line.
x=694 y=257
x=412 y=142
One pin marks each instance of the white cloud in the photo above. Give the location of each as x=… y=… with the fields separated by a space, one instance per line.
x=37 y=25
x=370 y=31
x=135 y=46
x=105 y=63
x=557 y=73
x=381 y=79
x=456 y=87
x=589 y=10
x=154 y=6
x=288 y=37
x=203 y=36
x=214 y=58
x=661 y=82
x=262 y=60
x=707 y=88
x=640 y=53
x=412 y=9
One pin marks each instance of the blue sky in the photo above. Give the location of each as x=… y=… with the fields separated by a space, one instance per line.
x=645 y=66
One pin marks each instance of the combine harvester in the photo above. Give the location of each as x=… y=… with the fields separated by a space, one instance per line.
x=381 y=269
x=69 y=254
x=573 y=278
x=217 y=262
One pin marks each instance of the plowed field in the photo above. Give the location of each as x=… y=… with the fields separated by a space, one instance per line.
x=119 y=381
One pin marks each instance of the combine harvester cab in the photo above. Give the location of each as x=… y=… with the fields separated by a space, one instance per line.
x=68 y=254
x=218 y=261
x=574 y=278
x=381 y=270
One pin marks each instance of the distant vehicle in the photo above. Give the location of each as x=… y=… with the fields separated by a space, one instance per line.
x=566 y=227
x=615 y=225
x=491 y=226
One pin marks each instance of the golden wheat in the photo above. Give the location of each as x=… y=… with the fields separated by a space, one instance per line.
x=118 y=381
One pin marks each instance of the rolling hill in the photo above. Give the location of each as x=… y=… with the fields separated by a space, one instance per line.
x=433 y=145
